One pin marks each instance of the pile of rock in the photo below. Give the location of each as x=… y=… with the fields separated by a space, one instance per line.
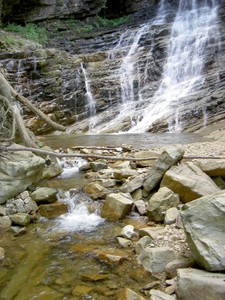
x=184 y=207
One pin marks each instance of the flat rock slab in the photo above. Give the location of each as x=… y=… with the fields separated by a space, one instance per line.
x=204 y=224
x=200 y=285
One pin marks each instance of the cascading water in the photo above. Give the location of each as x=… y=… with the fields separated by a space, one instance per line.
x=193 y=42
x=90 y=99
x=82 y=216
x=183 y=73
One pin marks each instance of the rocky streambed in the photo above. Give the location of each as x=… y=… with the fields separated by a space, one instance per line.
x=154 y=228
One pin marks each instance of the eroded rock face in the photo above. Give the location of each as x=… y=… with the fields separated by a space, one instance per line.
x=34 y=10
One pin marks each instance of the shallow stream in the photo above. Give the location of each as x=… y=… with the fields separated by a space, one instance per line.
x=59 y=259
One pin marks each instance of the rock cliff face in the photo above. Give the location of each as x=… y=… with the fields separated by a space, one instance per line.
x=92 y=73
x=36 y=10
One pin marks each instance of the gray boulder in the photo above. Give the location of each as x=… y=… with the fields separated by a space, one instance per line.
x=168 y=158
x=44 y=194
x=117 y=206
x=200 y=285
x=204 y=225
x=160 y=202
x=189 y=182
x=154 y=260
x=18 y=172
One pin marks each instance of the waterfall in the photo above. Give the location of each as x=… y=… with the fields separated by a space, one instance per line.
x=90 y=99
x=164 y=88
x=183 y=72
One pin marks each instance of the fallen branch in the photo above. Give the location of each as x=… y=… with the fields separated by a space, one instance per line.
x=37 y=111
x=50 y=153
x=22 y=129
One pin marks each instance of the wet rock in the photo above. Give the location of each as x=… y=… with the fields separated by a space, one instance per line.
x=128 y=294
x=95 y=190
x=168 y=158
x=112 y=257
x=203 y=221
x=21 y=219
x=53 y=210
x=5 y=222
x=154 y=260
x=199 y=284
x=18 y=173
x=160 y=202
x=124 y=243
x=117 y=206
x=171 y=216
x=2 y=253
x=94 y=277
x=158 y=295
x=98 y=165
x=18 y=230
x=44 y=195
x=181 y=263
x=189 y=182
x=81 y=290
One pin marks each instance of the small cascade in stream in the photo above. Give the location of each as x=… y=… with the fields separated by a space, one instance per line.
x=83 y=213
x=183 y=73
x=90 y=99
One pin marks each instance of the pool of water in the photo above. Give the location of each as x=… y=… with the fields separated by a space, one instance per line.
x=142 y=140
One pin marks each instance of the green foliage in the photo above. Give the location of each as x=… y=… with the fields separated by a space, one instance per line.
x=104 y=22
x=29 y=31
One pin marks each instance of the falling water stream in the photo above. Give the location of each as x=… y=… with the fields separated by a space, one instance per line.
x=194 y=39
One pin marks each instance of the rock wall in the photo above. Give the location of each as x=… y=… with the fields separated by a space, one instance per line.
x=36 y=10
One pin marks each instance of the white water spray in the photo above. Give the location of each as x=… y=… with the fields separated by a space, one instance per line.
x=90 y=99
x=82 y=215
x=183 y=72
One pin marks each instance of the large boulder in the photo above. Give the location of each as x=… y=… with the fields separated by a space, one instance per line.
x=168 y=158
x=189 y=182
x=117 y=206
x=160 y=202
x=154 y=260
x=212 y=167
x=200 y=285
x=19 y=171
x=204 y=225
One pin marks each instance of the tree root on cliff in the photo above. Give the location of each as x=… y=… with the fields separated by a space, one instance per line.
x=10 y=116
